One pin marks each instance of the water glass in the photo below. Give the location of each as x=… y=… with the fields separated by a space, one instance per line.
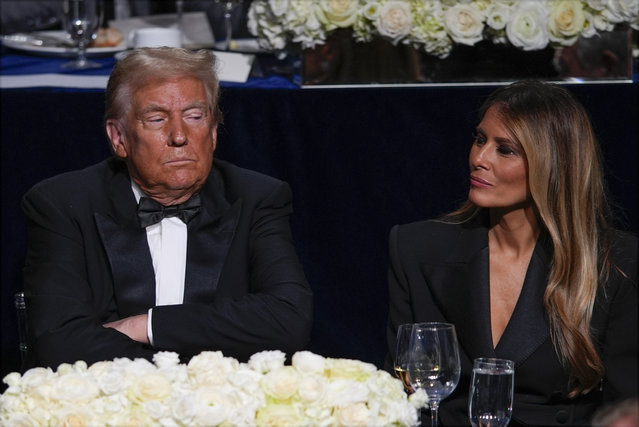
x=490 y=400
x=433 y=362
x=82 y=18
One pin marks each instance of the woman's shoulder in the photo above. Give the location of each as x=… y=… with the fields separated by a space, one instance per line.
x=434 y=237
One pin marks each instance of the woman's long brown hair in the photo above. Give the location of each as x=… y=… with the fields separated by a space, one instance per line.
x=567 y=187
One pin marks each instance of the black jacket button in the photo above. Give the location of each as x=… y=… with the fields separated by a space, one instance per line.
x=562 y=416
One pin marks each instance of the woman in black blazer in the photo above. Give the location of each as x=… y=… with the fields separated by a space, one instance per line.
x=529 y=268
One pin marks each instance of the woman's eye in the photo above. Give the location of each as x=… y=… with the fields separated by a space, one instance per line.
x=502 y=149
x=478 y=139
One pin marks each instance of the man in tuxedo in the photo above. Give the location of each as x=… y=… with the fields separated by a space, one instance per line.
x=162 y=248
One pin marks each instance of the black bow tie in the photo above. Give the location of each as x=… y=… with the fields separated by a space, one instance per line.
x=151 y=212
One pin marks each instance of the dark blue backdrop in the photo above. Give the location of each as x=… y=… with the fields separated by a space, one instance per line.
x=358 y=160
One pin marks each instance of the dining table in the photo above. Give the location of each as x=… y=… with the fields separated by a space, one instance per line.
x=359 y=159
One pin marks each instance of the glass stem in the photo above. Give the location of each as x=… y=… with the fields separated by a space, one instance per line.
x=229 y=26
x=82 y=53
x=434 y=412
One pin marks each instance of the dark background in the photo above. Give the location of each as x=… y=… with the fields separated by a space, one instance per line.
x=359 y=160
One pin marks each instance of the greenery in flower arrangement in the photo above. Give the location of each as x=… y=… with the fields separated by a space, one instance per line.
x=436 y=26
x=210 y=390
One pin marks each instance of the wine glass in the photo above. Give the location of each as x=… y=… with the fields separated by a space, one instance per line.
x=229 y=6
x=433 y=362
x=490 y=400
x=82 y=18
x=401 y=354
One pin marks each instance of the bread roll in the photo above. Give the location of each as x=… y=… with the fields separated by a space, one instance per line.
x=107 y=37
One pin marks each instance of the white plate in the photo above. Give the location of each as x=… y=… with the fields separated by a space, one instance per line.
x=59 y=50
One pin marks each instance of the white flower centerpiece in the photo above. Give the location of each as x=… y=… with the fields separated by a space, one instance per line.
x=435 y=27
x=210 y=390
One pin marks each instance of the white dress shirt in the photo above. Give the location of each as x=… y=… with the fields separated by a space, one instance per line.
x=167 y=244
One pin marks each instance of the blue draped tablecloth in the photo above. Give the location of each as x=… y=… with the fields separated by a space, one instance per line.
x=50 y=73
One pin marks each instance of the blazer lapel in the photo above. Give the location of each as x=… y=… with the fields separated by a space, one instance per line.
x=210 y=237
x=460 y=289
x=528 y=327
x=126 y=247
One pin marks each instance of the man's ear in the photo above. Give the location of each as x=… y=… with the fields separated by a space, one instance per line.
x=115 y=131
x=214 y=137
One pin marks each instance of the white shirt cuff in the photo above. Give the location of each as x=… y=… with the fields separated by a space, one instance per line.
x=149 y=330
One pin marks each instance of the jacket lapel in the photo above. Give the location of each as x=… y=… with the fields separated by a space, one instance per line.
x=460 y=289
x=210 y=237
x=126 y=246
x=528 y=327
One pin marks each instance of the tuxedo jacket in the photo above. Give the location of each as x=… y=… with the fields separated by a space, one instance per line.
x=88 y=263
x=440 y=272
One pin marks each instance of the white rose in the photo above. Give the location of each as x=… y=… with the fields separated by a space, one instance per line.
x=279 y=415
x=337 y=13
x=346 y=392
x=589 y=26
x=371 y=10
x=312 y=388
x=266 y=361
x=602 y=24
x=617 y=11
x=73 y=416
x=402 y=413
x=100 y=368
x=134 y=416
x=356 y=414
x=598 y=5
x=308 y=363
x=566 y=21
x=394 y=20
x=211 y=368
x=156 y=409
x=19 y=420
x=464 y=23
x=212 y=406
x=166 y=359
x=36 y=377
x=241 y=417
x=387 y=386
x=349 y=369
x=12 y=379
x=497 y=16
x=320 y=415
x=183 y=409
x=281 y=383
x=419 y=399
x=111 y=382
x=74 y=387
x=278 y=7
x=150 y=386
x=115 y=403
x=245 y=379
x=528 y=27
x=10 y=402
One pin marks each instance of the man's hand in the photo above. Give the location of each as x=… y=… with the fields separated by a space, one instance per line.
x=134 y=327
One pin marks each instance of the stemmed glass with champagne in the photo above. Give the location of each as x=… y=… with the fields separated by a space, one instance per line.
x=433 y=362
x=490 y=400
x=401 y=355
x=82 y=19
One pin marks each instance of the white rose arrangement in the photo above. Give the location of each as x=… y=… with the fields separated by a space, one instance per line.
x=210 y=390
x=436 y=26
